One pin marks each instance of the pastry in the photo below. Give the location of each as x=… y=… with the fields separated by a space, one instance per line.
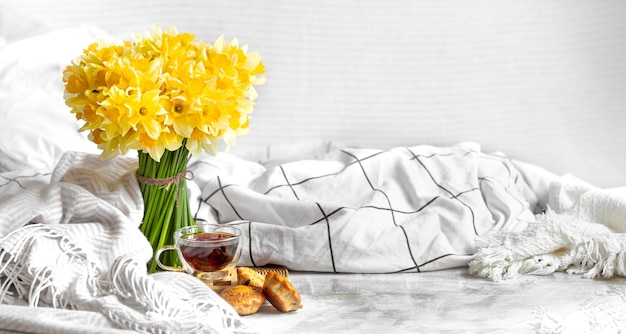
x=281 y=293
x=244 y=299
x=251 y=277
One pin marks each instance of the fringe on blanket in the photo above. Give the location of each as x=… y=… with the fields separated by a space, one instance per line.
x=74 y=243
x=125 y=293
x=555 y=242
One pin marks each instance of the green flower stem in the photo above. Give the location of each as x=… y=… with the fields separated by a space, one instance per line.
x=166 y=209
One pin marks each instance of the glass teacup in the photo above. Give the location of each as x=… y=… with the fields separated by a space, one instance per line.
x=207 y=251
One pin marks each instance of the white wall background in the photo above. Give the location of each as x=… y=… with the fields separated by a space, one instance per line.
x=542 y=81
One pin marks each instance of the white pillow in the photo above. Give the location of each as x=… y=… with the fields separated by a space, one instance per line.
x=36 y=127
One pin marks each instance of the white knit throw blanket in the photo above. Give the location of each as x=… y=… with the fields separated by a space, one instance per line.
x=581 y=233
x=74 y=243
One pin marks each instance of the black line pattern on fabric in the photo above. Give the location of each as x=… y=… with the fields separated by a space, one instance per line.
x=287 y=180
x=507 y=163
x=329 y=218
x=319 y=176
x=250 y=243
x=221 y=190
x=393 y=217
x=390 y=208
x=357 y=160
x=439 y=258
x=417 y=158
x=218 y=190
x=466 y=153
x=506 y=189
x=330 y=241
x=330 y=214
x=204 y=201
x=10 y=180
x=464 y=192
x=394 y=210
x=408 y=246
x=428 y=262
x=197 y=212
x=503 y=160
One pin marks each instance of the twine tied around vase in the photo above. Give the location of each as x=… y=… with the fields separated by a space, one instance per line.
x=166 y=182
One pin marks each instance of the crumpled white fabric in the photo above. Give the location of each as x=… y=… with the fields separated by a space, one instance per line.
x=74 y=243
x=556 y=242
x=406 y=209
x=580 y=199
x=580 y=233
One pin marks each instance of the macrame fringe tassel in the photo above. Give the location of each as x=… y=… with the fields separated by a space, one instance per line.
x=125 y=293
x=20 y=279
x=556 y=242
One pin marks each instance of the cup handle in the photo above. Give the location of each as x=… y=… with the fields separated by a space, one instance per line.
x=157 y=257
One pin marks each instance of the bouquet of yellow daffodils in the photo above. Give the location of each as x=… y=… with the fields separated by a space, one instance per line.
x=165 y=95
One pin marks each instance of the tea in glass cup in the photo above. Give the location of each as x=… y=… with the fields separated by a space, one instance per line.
x=207 y=251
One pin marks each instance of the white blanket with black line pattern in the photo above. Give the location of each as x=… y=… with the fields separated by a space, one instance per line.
x=406 y=209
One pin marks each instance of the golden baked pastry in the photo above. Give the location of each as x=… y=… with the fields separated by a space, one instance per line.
x=251 y=277
x=281 y=293
x=244 y=299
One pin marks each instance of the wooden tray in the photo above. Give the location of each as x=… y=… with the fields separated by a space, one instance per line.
x=231 y=278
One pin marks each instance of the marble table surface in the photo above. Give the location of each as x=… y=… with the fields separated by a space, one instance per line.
x=448 y=301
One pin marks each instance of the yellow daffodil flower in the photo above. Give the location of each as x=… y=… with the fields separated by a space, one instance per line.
x=163 y=90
